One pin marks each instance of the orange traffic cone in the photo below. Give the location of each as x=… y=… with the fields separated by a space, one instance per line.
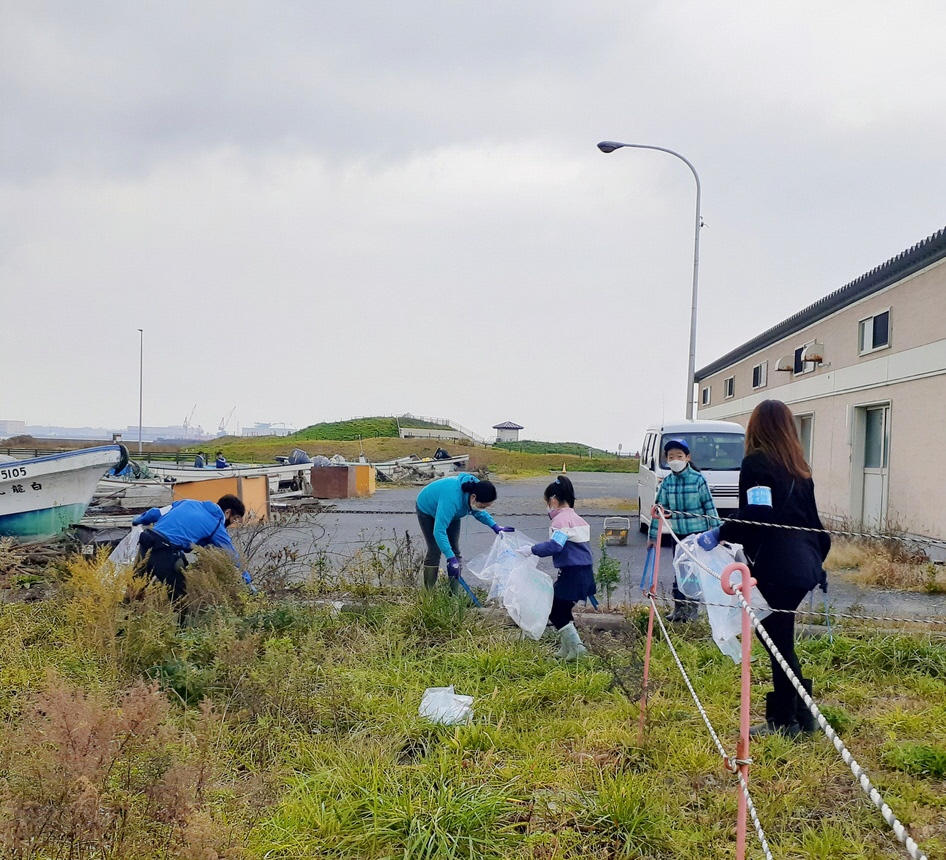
x=564 y=470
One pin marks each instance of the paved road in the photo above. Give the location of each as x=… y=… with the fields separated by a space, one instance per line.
x=520 y=504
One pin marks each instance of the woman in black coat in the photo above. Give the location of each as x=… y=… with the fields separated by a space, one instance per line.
x=787 y=563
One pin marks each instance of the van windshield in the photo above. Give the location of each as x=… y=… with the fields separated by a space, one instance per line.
x=718 y=452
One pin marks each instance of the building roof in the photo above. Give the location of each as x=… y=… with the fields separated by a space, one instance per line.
x=508 y=425
x=906 y=263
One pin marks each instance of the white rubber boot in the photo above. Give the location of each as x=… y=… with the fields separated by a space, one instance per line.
x=571 y=649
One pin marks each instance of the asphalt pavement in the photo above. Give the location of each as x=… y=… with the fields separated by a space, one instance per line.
x=520 y=504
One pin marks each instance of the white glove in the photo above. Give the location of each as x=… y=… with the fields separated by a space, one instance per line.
x=524 y=551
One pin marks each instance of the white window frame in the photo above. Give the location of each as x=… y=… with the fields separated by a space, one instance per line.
x=706 y=395
x=806 y=366
x=810 y=453
x=860 y=328
x=763 y=369
x=729 y=383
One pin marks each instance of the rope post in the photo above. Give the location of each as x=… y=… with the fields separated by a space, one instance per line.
x=652 y=591
x=742 y=749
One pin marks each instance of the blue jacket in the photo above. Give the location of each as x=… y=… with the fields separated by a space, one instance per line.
x=445 y=502
x=190 y=523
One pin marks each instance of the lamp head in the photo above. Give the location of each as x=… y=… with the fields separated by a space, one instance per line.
x=609 y=145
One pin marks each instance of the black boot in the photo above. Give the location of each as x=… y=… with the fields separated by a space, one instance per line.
x=683 y=611
x=804 y=717
x=779 y=719
x=430 y=576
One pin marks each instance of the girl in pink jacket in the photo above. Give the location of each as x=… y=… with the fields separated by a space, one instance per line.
x=569 y=547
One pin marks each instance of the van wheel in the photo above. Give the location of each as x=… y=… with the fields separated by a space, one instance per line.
x=641 y=525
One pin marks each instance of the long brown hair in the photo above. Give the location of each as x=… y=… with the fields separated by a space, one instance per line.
x=772 y=432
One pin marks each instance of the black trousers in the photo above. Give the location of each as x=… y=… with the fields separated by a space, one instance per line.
x=561 y=614
x=164 y=561
x=781 y=628
x=426 y=522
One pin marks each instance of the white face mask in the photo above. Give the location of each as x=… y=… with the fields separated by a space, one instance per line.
x=677 y=466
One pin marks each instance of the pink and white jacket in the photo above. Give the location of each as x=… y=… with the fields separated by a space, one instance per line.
x=569 y=540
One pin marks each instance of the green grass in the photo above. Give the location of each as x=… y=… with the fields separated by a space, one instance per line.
x=318 y=750
x=364 y=428
x=531 y=447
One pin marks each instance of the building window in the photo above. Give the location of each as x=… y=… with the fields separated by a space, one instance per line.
x=760 y=375
x=800 y=364
x=729 y=386
x=805 y=425
x=706 y=395
x=873 y=333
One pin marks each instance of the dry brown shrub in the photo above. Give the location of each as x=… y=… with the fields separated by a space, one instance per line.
x=845 y=554
x=85 y=778
x=213 y=580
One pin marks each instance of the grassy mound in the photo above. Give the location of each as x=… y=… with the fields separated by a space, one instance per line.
x=364 y=428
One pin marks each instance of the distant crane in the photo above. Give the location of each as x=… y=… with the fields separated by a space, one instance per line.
x=187 y=420
x=222 y=429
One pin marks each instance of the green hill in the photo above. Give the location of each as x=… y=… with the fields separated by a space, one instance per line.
x=346 y=431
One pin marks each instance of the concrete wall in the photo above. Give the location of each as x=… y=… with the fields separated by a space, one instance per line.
x=910 y=375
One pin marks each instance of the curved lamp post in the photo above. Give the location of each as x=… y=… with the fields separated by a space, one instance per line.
x=610 y=146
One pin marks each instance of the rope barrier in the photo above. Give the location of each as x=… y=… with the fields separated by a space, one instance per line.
x=859 y=774
x=878 y=536
x=730 y=761
x=839 y=532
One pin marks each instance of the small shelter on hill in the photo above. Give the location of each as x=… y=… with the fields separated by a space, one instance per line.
x=508 y=431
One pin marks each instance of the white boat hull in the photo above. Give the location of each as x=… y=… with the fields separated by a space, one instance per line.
x=276 y=472
x=43 y=496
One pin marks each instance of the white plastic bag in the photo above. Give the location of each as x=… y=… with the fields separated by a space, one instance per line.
x=491 y=569
x=528 y=596
x=127 y=549
x=724 y=610
x=442 y=705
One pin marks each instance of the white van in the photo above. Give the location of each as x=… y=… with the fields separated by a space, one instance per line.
x=716 y=449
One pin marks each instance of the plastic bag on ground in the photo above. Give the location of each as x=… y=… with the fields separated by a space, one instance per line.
x=490 y=570
x=443 y=705
x=126 y=551
x=527 y=596
x=724 y=610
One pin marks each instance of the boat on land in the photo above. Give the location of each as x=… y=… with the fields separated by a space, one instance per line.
x=282 y=476
x=42 y=496
x=415 y=468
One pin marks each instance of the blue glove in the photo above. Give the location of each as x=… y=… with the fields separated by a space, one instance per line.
x=249 y=582
x=499 y=529
x=453 y=566
x=709 y=540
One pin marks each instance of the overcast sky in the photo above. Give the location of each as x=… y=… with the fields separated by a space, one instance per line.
x=320 y=210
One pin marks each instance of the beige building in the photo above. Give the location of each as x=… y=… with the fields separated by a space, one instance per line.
x=864 y=372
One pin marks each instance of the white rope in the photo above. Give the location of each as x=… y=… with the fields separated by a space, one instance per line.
x=875 y=797
x=750 y=806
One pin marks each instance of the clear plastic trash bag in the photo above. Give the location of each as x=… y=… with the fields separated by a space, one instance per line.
x=724 y=610
x=443 y=705
x=490 y=570
x=528 y=597
x=126 y=551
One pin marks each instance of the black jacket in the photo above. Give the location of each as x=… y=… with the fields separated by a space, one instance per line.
x=779 y=557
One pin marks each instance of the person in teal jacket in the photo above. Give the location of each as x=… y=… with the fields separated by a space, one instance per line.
x=440 y=507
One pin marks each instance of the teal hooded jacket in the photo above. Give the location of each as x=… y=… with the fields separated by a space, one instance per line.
x=445 y=502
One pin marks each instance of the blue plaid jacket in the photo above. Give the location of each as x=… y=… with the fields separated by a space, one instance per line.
x=686 y=491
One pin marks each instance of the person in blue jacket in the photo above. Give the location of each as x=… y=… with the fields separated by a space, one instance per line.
x=179 y=527
x=221 y=462
x=440 y=507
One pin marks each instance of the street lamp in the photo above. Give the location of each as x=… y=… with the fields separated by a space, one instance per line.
x=141 y=370
x=610 y=146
